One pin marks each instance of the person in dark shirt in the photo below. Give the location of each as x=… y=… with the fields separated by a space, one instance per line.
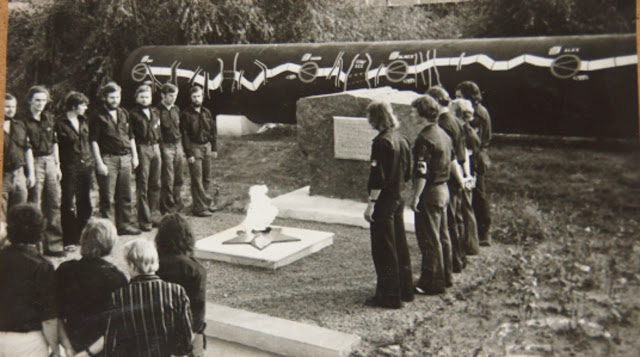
x=199 y=140
x=175 y=243
x=171 y=149
x=114 y=150
x=84 y=287
x=76 y=163
x=146 y=129
x=450 y=124
x=463 y=109
x=17 y=156
x=44 y=144
x=28 y=317
x=148 y=317
x=390 y=168
x=480 y=161
x=432 y=154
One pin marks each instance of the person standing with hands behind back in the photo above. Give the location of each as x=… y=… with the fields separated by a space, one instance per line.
x=77 y=164
x=390 y=168
x=114 y=150
x=199 y=134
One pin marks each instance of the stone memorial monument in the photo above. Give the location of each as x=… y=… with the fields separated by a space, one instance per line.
x=334 y=134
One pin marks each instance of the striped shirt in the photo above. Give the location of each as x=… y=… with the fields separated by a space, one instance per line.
x=149 y=317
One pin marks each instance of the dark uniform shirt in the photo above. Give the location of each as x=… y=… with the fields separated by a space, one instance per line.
x=432 y=154
x=482 y=122
x=390 y=164
x=74 y=146
x=452 y=127
x=197 y=128
x=480 y=160
x=170 y=124
x=41 y=133
x=192 y=276
x=148 y=317
x=15 y=145
x=146 y=130
x=27 y=293
x=83 y=295
x=112 y=138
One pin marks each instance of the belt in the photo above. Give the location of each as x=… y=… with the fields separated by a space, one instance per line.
x=12 y=171
x=42 y=155
x=204 y=143
x=171 y=143
x=149 y=143
x=118 y=154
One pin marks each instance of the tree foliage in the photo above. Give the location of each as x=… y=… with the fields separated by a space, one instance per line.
x=79 y=44
x=499 y=18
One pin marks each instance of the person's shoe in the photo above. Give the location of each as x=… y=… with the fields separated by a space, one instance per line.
x=375 y=302
x=145 y=227
x=212 y=207
x=54 y=253
x=202 y=214
x=407 y=298
x=485 y=243
x=420 y=291
x=70 y=248
x=129 y=231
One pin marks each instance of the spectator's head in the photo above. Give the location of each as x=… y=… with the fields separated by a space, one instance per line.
x=426 y=107
x=143 y=95
x=380 y=116
x=37 y=98
x=470 y=91
x=76 y=102
x=196 y=95
x=462 y=108
x=10 y=105
x=440 y=95
x=98 y=238
x=141 y=257
x=111 y=95
x=25 y=224
x=174 y=236
x=169 y=94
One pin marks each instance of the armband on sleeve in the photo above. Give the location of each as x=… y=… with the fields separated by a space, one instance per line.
x=421 y=169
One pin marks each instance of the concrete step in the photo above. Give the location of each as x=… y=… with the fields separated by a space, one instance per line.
x=235 y=332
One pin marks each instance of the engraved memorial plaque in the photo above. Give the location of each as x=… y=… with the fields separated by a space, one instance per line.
x=352 y=138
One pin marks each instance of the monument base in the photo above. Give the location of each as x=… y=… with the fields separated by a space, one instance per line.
x=271 y=256
x=300 y=205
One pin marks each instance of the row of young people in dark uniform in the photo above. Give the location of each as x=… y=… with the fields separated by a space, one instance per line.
x=55 y=158
x=447 y=165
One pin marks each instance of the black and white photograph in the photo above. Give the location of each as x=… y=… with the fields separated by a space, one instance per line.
x=396 y=178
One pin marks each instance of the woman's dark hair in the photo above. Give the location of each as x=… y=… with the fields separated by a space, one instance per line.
x=175 y=235
x=73 y=99
x=470 y=90
x=25 y=224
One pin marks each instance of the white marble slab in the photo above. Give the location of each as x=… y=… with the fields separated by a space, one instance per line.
x=273 y=256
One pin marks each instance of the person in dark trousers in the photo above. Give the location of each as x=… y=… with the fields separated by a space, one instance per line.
x=390 y=168
x=463 y=109
x=148 y=317
x=146 y=129
x=114 y=150
x=455 y=260
x=432 y=155
x=480 y=160
x=18 y=159
x=175 y=243
x=44 y=144
x=28 y=316
x=199 y=135
x=172 y=151
x=84 y=287
x=76 y=164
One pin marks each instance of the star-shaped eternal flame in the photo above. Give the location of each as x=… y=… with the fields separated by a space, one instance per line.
x=261 y=239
